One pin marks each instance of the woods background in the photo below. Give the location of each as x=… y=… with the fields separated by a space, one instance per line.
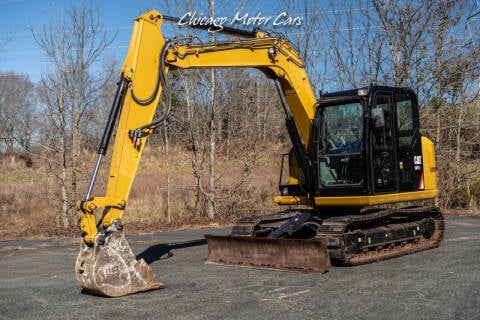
x=218 y=155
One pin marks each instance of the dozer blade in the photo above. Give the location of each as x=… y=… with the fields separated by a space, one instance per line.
x=265 y=253
x=111 y=269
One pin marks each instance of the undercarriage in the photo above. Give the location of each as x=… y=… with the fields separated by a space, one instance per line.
x=350 y=239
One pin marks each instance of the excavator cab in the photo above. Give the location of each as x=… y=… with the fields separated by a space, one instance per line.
x=368 y=142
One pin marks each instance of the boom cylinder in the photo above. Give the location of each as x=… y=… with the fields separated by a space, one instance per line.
x=107 y=133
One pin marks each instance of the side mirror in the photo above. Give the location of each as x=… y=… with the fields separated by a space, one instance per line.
x=378 y=117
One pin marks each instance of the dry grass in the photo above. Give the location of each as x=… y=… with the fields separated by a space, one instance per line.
x=147 y=203
x=29 y=196
x=25 y=211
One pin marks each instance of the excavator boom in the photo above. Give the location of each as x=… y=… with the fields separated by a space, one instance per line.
x=106 y=264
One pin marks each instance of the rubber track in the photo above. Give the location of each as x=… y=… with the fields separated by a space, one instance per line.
x=400 y=249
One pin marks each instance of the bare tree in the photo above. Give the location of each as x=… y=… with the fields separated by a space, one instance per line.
x=16 y=112
x=405 y=25
x=6 y=39
x=95 y=118
x=69 y=89
x=212 y=130
x=204 y=134
x=306 y=36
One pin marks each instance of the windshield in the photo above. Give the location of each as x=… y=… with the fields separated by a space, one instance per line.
x=340 y=155
x=343 y=127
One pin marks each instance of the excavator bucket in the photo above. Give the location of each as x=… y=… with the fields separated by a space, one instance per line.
x=265 y=253
x=111 y=269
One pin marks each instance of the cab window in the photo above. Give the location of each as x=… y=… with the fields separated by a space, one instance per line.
x=340 y=157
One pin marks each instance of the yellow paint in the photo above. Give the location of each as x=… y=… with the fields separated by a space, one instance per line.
x=358 y=201
x=273 y=56
x=429 y=164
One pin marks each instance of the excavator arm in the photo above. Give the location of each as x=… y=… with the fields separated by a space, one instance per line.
x=106 y=264
x=135 y=103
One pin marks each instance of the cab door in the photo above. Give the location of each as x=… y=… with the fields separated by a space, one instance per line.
x=410 y=163
x=383 y=145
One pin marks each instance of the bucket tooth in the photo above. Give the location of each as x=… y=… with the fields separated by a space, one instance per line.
x=294 y=255
x=111 y=269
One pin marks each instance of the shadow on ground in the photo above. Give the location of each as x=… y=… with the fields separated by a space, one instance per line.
x=163 y=250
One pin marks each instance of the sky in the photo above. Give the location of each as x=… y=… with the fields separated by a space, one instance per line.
x=22 y=55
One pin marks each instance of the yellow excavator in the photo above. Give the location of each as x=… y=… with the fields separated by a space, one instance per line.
x=355 y=155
